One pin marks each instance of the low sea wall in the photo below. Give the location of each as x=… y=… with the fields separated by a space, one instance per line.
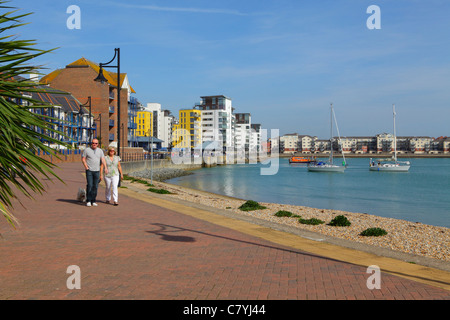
x=161 y=170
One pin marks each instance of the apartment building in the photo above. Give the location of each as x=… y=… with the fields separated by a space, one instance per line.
x=78 y=77
x=256 y=144
x=381 y=143
x=144 y=123
x=167 y=129
x=133 y=107
x=217 y=120
x=163 y=122
x=421 y=144
x=67 y=116
x=443 y=144
x=289 y=143
x=242 y=131
x=306 y=144
x=187 y=133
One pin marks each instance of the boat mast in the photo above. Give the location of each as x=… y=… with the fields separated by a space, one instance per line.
x=331 y=133
x=395 y=134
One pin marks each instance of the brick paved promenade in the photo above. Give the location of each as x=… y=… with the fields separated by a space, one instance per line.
x=139 y=250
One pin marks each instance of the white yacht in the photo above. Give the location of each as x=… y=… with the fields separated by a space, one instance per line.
x=322 y=166
x=390 y=165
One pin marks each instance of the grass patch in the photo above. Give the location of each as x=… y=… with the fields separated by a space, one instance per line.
x=137 y=180
x=160 y=191
x=373 y=232
x=312 y=221
x=340 y=221
x=283 y=213
x=251 y=205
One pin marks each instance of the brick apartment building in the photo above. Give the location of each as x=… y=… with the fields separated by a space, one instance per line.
x=78 y=79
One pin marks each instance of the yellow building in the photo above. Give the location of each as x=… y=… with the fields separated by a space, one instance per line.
x=144 y=122
x=188 y=132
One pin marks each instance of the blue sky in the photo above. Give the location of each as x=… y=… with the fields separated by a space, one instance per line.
x=284 y=61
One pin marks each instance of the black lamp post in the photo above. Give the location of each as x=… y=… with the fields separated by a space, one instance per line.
x=88 y=104
x=101 y=78
x=100 y=119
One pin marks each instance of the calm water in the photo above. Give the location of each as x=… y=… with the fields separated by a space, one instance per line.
x=422 y=194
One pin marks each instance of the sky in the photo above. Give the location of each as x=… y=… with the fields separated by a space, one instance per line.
x=283 y=61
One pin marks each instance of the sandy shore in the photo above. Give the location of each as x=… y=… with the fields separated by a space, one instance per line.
x=403 y=236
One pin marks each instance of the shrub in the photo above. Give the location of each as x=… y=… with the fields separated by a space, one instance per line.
x=312 y=221
x=340 y=221
x=283 y=213
x=161 y=191
x=373 y=232
x=251 y=205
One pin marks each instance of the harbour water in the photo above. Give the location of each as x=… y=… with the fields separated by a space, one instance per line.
x=421 y=195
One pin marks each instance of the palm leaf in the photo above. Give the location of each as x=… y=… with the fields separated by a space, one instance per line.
x=22 y=132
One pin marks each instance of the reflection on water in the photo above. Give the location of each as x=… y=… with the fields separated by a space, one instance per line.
x=419 y=195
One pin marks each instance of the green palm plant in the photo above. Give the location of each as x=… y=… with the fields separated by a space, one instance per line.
x=22 y=132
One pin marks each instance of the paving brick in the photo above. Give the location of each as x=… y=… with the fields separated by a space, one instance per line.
x=142 y=251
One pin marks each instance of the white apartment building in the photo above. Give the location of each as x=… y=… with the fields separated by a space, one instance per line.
x=289 y=142
x=242 y=131
x=255 y=138
x=419 y=144
x=162 y=123
x=217 y=120
x=306 y=144
x=155 y=108
x=166 y=128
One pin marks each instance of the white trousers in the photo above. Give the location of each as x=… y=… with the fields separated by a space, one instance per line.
x=111 y=185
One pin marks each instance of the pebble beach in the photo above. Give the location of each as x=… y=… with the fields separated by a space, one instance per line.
x=402 y=236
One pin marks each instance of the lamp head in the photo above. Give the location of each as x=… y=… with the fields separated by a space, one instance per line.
x=101 y=78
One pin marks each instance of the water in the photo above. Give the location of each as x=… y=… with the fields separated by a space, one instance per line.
x=421 y=195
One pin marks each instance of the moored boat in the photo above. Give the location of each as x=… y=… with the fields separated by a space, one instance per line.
x=301 y=160
x=390 y=165
x=329 y=166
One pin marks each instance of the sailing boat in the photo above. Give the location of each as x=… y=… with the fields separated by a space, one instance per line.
x=321 y=166
x=390 y=165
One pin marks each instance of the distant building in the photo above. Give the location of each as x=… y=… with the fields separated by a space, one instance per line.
x=306 y=144
x=289 y=142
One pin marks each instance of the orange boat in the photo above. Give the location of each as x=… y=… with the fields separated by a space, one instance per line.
x=300 y=160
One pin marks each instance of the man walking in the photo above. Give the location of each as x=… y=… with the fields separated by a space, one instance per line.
x=91 y=159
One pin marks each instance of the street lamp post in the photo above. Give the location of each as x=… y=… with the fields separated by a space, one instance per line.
x=150 y=136
x=101 y=78
x=88 y=104
x=100 y=119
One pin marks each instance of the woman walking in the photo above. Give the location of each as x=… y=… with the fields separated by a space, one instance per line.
x=112 y=177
